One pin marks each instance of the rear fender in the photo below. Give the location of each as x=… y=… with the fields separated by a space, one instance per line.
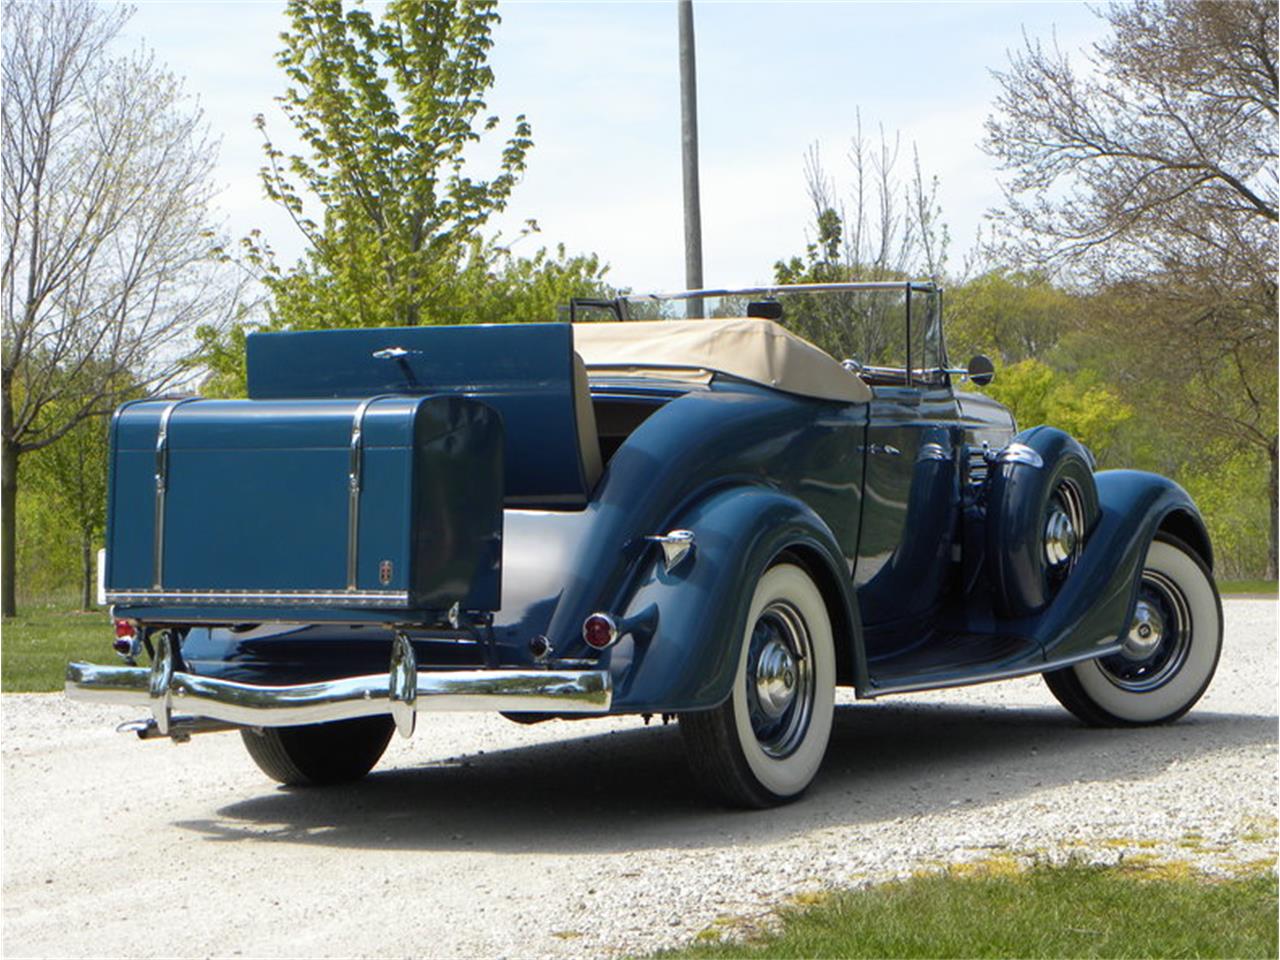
x=1095 y=606
x=686 y=653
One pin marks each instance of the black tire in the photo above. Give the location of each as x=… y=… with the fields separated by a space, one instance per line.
x=1021 y=501
x=1136 y=688
x=765 y=743
x=319 y=754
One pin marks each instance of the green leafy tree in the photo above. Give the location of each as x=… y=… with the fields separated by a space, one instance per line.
x=493 y=285
x=387 y=106
x=1011 y=316
x=72 y=475
x=1081 y=405
x=496 y=286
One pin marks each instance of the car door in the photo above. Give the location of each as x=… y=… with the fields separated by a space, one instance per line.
x=911 y=489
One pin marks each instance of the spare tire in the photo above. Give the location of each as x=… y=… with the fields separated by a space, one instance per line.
x=1042 y=503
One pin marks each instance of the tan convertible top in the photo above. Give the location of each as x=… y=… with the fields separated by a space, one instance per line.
x=757 y=350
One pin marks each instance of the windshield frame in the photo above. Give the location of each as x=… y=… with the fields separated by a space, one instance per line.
x=912 y=374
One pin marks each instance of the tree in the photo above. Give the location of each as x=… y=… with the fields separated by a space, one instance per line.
x=493 y=285
x=109 y=261
x=1010 y=315
x=1081 y=405
x=1152 y=176
x=887 y=230
x=73 y=472
x=387 y=107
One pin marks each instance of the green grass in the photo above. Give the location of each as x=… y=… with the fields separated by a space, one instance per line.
x=39 y=641
x=1226 y=587
x=1065 y=911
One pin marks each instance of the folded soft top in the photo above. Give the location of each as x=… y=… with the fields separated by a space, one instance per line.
x=757 y=350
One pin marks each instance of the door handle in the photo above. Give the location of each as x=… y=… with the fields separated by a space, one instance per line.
x=887 y=449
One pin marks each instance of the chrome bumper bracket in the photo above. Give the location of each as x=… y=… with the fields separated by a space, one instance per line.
x=402 y=684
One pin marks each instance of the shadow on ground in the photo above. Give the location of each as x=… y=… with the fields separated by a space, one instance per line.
x=630 y=790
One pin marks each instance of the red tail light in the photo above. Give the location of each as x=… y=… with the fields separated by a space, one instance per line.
x=126 y=635
x=599 y=631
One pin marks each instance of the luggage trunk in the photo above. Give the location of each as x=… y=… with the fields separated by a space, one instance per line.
x=382 y=509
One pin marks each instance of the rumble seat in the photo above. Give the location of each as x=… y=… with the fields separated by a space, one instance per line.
x=585 y=415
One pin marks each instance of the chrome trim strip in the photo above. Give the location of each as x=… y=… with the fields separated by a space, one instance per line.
x=162 y=485
x=532 y=691
x=354 y=470
x=921 y=286
x=361 y=598
x=1020 y=453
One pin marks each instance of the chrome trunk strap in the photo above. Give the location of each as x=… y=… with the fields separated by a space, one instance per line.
x=355 y=470
x=162 y=486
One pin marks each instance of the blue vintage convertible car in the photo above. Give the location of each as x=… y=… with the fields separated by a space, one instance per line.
x=652 y=513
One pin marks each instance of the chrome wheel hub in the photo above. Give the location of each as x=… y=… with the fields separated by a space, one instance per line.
x=780 y=681
x=775 y=679
x=1059 y=537
x=1145 y=633
x=1064 y=531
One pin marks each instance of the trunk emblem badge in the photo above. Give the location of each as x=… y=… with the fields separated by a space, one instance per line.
x=385 y=569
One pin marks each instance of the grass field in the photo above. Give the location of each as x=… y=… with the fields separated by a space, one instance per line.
x=39 y=641
x=1226 y=587
x=1067 y=911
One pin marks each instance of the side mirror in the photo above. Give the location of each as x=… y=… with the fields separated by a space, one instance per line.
x=981 y=370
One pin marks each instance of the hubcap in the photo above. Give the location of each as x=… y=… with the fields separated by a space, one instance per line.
x=1156 y=646
x=775 y=679
x=1059 y=537
x=780 y=681
x=1063 y=529
x=1145 y=633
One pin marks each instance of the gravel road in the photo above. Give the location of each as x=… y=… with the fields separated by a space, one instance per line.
x=482 y=837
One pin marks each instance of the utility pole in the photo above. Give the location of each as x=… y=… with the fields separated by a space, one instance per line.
x=689 y=157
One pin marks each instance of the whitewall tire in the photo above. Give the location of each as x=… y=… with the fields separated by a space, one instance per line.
x=764 y=744
x=1170 y=652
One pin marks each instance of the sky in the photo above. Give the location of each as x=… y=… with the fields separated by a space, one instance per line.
x=599 y=83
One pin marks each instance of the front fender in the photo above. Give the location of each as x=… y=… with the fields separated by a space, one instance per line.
x=1095 y=606
x=689 y=659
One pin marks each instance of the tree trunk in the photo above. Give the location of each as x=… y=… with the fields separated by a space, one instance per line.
x=86 y=572
x=8 y=527
x=1274 y=488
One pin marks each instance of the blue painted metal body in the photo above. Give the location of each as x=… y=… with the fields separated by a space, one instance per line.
x=878 y=501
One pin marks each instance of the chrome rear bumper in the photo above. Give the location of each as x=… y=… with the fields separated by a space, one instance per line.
x=402 y=692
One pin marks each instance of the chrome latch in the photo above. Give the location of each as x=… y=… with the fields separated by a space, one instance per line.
x=882 y=449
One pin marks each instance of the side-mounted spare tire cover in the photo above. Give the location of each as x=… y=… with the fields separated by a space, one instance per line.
x=1042 y=503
